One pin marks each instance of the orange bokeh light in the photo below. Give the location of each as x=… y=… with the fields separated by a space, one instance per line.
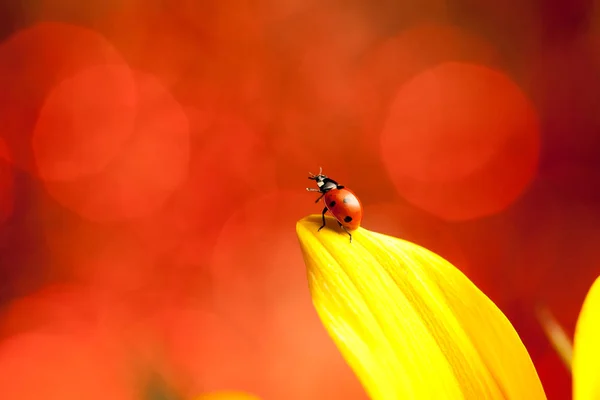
x=28 y=369
x=84 y=122
x=53 y=309
x=461 y=141
x=383 y=68
x=146 y=170
x=398 y=59
x=54 y=346
x=35 y=60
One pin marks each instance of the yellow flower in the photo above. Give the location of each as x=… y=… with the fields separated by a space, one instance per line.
x=410 y=324
x=586 y=348
x=227 y=396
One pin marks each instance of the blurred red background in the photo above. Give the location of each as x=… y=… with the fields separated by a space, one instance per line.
x=153 y=163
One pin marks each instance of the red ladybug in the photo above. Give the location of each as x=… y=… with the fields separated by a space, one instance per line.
x=339 y=201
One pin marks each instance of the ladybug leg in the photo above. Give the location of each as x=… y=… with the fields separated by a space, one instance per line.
x=323 y=226
x=345 y=230
x=316 y=190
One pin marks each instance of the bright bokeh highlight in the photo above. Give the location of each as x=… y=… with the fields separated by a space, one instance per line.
x=461 y=141
x=144 y=172
x=84 y=123
x=53 y=56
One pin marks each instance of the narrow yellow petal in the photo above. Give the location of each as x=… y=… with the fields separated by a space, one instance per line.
x=586 y=348
x=410 y=324
x=557 y=336
x=227 y=396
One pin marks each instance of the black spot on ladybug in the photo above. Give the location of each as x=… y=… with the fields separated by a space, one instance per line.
x=332 y=204
x=348 y=219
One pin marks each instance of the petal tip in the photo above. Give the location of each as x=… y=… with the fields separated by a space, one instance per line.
x=302 y=225
x=312 y=219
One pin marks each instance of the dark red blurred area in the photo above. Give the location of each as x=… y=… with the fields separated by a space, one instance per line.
x=154 y=158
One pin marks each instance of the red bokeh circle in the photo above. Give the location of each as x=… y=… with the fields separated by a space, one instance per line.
x=461 y=141
x=146 y=169
x=84 y=122
x=36 y=60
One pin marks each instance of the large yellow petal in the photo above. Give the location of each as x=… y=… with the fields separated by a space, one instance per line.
x=586 y=348
x=410 y=324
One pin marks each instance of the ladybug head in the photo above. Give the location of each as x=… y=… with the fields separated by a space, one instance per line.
x=323 y=182
x=317 y=177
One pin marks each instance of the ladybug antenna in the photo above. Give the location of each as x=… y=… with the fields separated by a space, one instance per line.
x=313 y=176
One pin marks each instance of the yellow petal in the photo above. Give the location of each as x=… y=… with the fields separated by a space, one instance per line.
x=557 y=336
x=586 y=348
x=410 y=324
x=227 y=396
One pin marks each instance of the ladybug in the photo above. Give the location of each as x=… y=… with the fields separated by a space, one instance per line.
x=339 y=201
